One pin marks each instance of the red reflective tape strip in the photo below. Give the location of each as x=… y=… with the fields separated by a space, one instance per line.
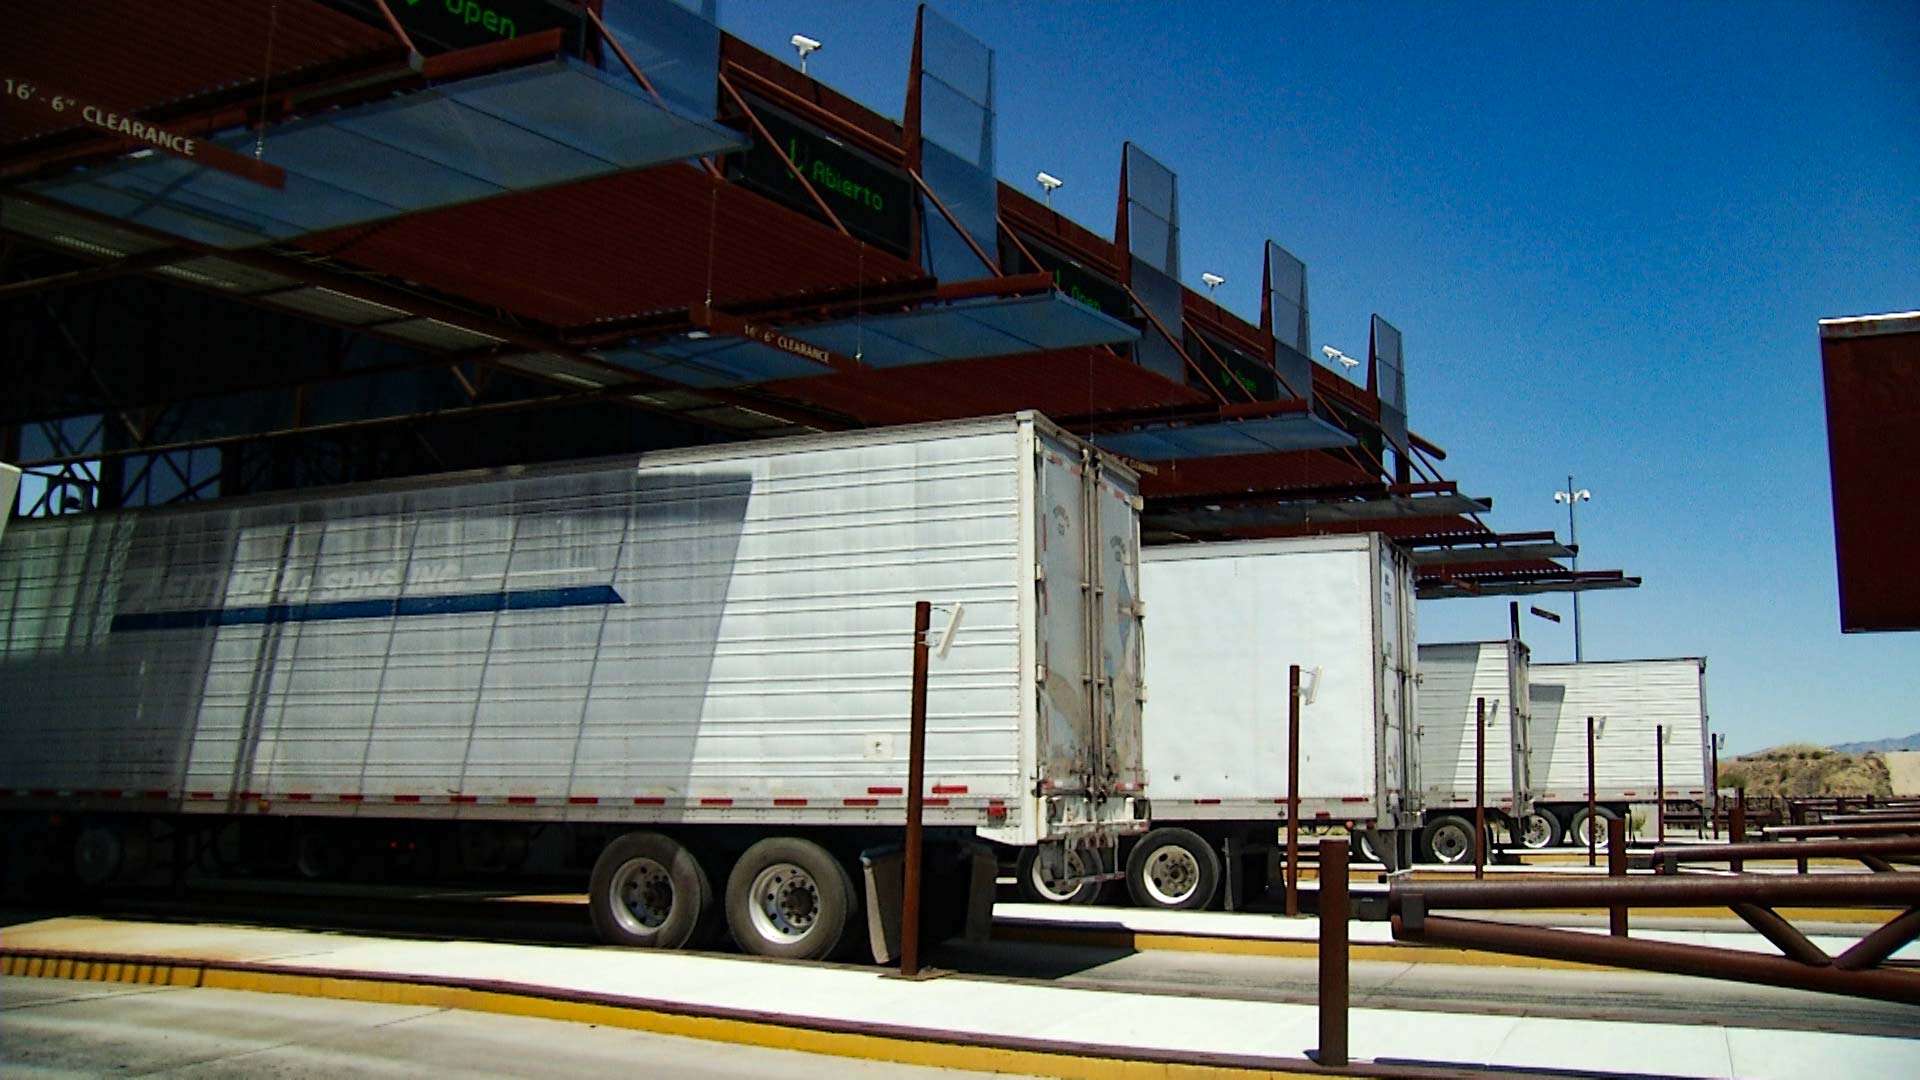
x=155 y=794
x=861 y=802
x=416 y=798
x=522 y=800
x=716 y=802
x=463 y=799
x=649 y=800
x=886 y=791
x=1322 y=813
x=248 y=795
x=1353 y=798
x=110 y=793
x=353 y=798
x=934 y=802
x=1206 y=802
x=1695 y=791
x=789 y=802
x=949 y=789
x=1629 y=794
x=200 y=795
x=583 y=800
x=296 y=796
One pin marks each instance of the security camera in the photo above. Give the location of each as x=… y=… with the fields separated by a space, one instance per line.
x=806 y=45
x=1212 y=281
x=1332 y=353
x=1049 y=181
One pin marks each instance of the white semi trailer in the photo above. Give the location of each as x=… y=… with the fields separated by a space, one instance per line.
x=695 y=674
x=1457 y=681
x=1634 y=703
x=1228 y=620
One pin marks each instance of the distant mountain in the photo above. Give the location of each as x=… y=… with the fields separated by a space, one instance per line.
x=1911 y=742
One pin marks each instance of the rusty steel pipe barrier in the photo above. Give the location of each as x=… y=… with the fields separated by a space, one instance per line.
x=1617 y=869
x=916 y=802
x=1334 y=913
x=1875 y=853
x=1840 y=830
x=1293 y=790
x=1480 y=788
x=1802 y=965
x=1737 y=825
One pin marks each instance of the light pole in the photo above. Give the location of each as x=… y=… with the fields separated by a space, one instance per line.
x=1573 y=497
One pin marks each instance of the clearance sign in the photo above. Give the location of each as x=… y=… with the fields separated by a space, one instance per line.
x=143 y=134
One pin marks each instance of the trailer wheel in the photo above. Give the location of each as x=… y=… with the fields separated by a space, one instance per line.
x=1577 y=829
x=1036 y=889
x=320 y=853
x=1448 y=839
x=1173 y=868
x=790 y=898
x=648 y=891
x=108 y=851
x=1364 y=848
x=1539 y=830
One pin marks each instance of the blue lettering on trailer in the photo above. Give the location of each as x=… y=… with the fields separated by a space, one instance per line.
x=391 y=608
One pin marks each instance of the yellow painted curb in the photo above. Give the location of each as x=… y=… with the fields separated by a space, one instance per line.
x=886 y=1048
x=1407 y=953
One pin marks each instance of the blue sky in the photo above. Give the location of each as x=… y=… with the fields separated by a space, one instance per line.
x=1607 y=231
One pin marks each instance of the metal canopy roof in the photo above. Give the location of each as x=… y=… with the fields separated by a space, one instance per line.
x=703 y=360
x=969 y=329
x=1167 y=442
x=1474 y=545
x=966 y=330
x=1231 y=518
x=528 y=127
x=1523 y=583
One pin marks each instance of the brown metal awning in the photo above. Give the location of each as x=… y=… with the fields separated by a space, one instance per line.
x=1516 y=581
x=1219 y=519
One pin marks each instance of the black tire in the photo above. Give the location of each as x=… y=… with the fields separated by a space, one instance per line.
x=1034 y=890
x=1577 y=828
x=1538 y=830
x=1448 y=839
x=790 y=898
x=649 y=892
x=100 y=854
x=320 y=853
x=1173 y=869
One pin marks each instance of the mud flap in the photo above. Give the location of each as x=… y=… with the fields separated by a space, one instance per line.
x=883 y=870
x=946 y=872
x=982 y=884
x=1386 y=844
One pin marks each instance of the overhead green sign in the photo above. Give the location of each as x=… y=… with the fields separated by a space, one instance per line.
x=873 y=201
x=438 y=26
x=1079 y=283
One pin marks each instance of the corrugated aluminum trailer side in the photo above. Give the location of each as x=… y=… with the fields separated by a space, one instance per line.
x=715 y=646
x=1634 y=703
x=1228 y=620
x=1455 y=677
